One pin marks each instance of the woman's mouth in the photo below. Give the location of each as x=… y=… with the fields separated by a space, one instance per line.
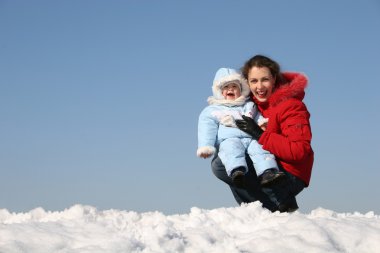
x=261 y=94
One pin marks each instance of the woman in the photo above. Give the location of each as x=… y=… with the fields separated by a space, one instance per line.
x=288 y=135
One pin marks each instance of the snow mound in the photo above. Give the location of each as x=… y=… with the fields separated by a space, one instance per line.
x=248 y=228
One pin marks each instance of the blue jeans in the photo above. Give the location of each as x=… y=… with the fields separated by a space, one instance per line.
x=271 y=197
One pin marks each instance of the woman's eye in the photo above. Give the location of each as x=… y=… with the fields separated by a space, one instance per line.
x=267 y=79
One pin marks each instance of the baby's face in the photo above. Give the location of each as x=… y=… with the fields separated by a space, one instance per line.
x=231 y=91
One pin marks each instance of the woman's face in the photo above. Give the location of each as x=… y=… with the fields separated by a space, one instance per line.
x=261 y=82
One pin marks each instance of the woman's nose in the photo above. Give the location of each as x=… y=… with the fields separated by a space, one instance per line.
x=259 y=84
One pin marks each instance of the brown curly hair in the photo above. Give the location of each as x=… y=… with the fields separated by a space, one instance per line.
x=263 y=61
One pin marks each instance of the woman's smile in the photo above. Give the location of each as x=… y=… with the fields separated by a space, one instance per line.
x=261 y=93
x=261 y=82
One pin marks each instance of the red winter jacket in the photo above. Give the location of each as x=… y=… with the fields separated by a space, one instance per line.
x=288 y=134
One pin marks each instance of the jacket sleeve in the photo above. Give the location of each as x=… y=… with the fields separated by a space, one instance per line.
x=290 y=138
x=207 y=129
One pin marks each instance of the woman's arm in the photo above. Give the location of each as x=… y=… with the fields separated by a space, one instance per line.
x=288 y=136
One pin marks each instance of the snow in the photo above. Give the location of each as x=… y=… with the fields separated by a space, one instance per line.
x=248 y=228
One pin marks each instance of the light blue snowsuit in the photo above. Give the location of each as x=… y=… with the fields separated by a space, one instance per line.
x=217 y=129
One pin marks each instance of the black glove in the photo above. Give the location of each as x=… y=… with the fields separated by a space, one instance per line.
x=249 y=126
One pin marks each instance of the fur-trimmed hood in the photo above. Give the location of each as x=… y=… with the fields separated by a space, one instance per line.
x=293 y=87
x=222 y=77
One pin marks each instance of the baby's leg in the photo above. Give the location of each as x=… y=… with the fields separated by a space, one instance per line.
x=265 y=165
x=232 y=154
x=261 y=158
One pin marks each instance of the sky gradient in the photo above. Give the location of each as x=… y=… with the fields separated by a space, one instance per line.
x=99 y=100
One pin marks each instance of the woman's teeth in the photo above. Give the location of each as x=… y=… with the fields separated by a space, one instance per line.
x=260 y=93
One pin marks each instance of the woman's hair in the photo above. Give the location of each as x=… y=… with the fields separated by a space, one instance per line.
x=263 y=61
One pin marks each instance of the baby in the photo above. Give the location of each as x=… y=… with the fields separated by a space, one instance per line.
x=217 y=130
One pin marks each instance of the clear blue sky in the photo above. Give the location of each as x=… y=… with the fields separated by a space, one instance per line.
x=99 y=100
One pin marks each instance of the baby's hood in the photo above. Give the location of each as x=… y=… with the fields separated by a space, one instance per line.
x=224 y=76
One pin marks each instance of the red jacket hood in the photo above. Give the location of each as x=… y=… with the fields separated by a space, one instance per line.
x=293 y=87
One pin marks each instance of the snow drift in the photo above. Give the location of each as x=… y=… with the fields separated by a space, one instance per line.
x=248 y=228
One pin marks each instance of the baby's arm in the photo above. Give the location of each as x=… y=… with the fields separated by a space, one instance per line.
x=207 y=133
x=252 y=112
x=262 y=122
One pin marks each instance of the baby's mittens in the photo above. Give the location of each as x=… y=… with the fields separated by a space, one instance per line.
x=206 y=151
x=262 y=121
x=228 y=121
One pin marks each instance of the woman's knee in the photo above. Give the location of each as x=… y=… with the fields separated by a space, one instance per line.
x=219 y=170
x=296 y=185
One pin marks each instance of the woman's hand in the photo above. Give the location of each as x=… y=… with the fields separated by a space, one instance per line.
x=249 y=126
